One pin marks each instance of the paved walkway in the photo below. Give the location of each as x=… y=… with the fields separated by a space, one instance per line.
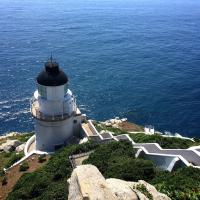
x=187 y=154
x=88 y=130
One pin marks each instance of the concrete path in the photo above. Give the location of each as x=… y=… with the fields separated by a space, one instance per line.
x=187 y=154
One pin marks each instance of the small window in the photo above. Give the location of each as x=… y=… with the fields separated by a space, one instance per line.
x=42 y=91
x=75 y=121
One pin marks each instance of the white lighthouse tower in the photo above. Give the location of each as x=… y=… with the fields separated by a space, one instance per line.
x=53 y=106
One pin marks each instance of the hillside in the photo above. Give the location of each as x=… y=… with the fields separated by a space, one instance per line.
x=114 y=160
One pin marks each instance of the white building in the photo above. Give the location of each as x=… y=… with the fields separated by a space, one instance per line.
x=54 y=109
x=149 y=130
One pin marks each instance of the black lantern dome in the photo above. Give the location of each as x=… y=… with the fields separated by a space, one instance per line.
x=52 y=75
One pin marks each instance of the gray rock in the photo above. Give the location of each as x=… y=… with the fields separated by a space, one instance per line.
x=8 y=148
x=121 y=189
x=20 y=147
x=87 y=183
x=9 y=145
x=152 y=190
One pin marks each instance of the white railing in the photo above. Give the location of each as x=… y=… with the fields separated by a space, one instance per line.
x=36 y=112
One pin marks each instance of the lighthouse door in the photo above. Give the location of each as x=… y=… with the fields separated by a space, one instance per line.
x=58 y=146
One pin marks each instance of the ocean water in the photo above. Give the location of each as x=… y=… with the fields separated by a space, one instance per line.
x=138 y=59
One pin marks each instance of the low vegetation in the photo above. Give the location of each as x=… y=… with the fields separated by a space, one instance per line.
x=21 y=137
x=42 y=158
x=13 y=158
x=116 y=160
x=182 y=184
x=50 y=181
x=23 y=167
x=4 y=159
x=8 y=159
x=143 y=189
x=4 y=180
x=101 y=127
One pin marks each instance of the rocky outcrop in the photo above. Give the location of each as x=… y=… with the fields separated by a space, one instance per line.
x=87 y=183
x=114 y=122
x=128 y=190
x=121 y=189
x=9 y=145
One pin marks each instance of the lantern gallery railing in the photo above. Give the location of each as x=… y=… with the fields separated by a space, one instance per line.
x=35 y=111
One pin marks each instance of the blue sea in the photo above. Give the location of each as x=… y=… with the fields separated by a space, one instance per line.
x=138 y=59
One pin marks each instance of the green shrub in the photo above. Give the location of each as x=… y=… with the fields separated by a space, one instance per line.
x=143 y=189
x=13 y=158
x=42 y=158
x=117 y=160
x=130 y=169
x=2 y=173
x=182 y=184
x=4 y=180
x=23 y=167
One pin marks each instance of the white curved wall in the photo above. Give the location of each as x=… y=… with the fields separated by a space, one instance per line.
x=49 y=134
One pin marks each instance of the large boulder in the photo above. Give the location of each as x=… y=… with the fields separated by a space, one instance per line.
x=20 y=147
x=87 y=183
x=7 y=148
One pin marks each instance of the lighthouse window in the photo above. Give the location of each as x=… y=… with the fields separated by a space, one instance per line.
x=42 y=91
x=65 y=88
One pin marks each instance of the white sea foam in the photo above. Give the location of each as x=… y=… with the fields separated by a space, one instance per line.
x=3 y=102
x=21 y=112
x=83 y=108
x=21 y=100
x=6 y=107
x=4 y=114
x=10 y=119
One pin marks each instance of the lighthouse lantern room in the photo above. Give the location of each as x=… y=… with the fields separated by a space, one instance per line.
x=53 y=106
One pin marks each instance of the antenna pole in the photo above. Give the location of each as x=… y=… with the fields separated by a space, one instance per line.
x=51 y=58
